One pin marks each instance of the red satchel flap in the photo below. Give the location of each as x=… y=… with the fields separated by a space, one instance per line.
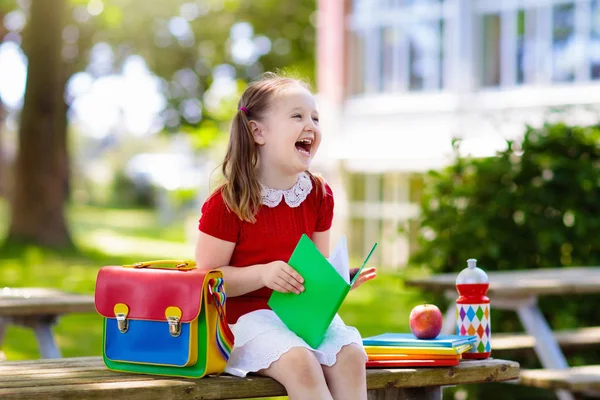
x=148 y=292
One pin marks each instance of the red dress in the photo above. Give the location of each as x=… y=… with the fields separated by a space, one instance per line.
x=272 y=237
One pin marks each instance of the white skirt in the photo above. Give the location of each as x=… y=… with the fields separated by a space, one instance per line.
x=261 y=338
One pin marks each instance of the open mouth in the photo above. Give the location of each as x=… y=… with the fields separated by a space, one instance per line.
x=304 y=145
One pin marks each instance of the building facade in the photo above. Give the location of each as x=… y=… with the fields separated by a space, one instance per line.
x=399 y=79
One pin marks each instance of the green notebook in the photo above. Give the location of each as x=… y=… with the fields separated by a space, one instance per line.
x=310 y=313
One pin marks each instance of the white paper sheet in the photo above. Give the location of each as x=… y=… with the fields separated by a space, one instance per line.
x=339 y=259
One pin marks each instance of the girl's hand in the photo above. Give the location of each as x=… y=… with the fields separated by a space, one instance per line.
x=279 y=276
x=365 y=275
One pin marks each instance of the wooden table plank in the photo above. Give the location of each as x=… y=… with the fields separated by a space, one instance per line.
x=22 y=374
x=468 y=371
x=572 y=338
x=523 y=283
x=87 y=378
x=577 y=379
x=21 y=302
x=7 y=366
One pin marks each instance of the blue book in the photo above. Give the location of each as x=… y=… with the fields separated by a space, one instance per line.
x=410 y=340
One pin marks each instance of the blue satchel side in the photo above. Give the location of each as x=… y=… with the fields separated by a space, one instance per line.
x=147 y=342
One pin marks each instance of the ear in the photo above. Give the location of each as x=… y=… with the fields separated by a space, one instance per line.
x=258 y=132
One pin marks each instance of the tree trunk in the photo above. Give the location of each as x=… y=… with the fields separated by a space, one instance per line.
x=2 y=166
x=3 y=188
x=41 y=168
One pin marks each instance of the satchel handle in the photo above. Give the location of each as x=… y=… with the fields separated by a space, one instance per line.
x=180 y=265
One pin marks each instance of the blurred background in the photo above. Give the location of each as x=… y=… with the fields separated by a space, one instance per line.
x=452 y=129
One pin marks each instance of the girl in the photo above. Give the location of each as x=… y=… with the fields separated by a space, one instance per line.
x=251 y=224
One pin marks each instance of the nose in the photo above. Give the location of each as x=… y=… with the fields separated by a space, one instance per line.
x=312 y=126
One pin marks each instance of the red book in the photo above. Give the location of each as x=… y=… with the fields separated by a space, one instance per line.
x=411 y=363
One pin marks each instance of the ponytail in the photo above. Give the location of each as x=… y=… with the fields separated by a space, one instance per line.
x=241 y=191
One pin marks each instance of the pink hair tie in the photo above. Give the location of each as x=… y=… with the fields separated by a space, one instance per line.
x=244 y=109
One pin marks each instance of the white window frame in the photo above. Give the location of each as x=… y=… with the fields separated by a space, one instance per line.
x=508 y=10
x=370 y=18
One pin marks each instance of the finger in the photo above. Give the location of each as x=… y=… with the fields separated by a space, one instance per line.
x=362 y=278
x=279 y=288
x=367 y=276
x=289 y=287
x=290 y=280
x=292 y=276
x=292 y=272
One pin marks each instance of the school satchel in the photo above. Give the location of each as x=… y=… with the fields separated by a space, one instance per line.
x=163 y=317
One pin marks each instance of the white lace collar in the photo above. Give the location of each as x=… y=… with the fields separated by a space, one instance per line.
x=293 y=196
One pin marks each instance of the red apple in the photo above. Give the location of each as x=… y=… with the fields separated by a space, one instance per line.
x=426 y=321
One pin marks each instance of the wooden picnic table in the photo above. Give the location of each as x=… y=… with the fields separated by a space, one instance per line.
x=87 y=377
x=39 y=309
x=518 y=290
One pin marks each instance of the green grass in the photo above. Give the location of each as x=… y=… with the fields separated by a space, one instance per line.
x=104 y=237
x=115 y=237
x=135 y=223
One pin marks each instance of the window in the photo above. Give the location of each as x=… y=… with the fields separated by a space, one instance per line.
x=417 y=2
x=401 y=46
x=357 y=187
x=491 y=50
x=516 y=37
x=594 y=50
x=521 y=46
x=526 y=45
x=564 y=57
x=389 y=45
x=424 y=57
x=360 y=5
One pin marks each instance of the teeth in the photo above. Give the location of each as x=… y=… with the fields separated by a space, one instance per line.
x=307 y=141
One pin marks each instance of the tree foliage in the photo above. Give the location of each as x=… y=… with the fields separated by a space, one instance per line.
x=186 y=43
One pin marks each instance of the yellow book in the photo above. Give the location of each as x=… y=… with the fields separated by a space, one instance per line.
x=417 y=350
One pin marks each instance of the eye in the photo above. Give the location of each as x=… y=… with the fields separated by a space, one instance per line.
x=316 y=119
x=297 y=116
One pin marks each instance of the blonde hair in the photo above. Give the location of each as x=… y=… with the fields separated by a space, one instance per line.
x=241 y=190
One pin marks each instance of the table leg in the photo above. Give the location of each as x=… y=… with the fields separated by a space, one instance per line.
x=546 y=346
x=3 y=324
x=42 y=327
x=420 y=393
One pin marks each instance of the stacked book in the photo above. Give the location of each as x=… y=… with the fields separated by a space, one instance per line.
x=405 y=350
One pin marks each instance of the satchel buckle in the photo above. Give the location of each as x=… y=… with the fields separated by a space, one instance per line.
x=122 y=322
x=121 y=310
x=174 y=326
x=173 y=315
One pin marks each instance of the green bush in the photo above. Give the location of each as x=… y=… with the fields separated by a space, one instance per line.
x=126 y=192
x=534 y=205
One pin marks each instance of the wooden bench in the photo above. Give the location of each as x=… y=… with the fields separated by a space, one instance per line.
x=584 y=380
x=575 y=379
x=38 y=309
x=567 y=339
x=87 y=377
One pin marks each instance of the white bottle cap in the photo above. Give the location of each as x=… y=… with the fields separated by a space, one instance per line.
x=471 y=274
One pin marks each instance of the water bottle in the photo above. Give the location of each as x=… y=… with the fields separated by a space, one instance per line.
x=473 y=309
